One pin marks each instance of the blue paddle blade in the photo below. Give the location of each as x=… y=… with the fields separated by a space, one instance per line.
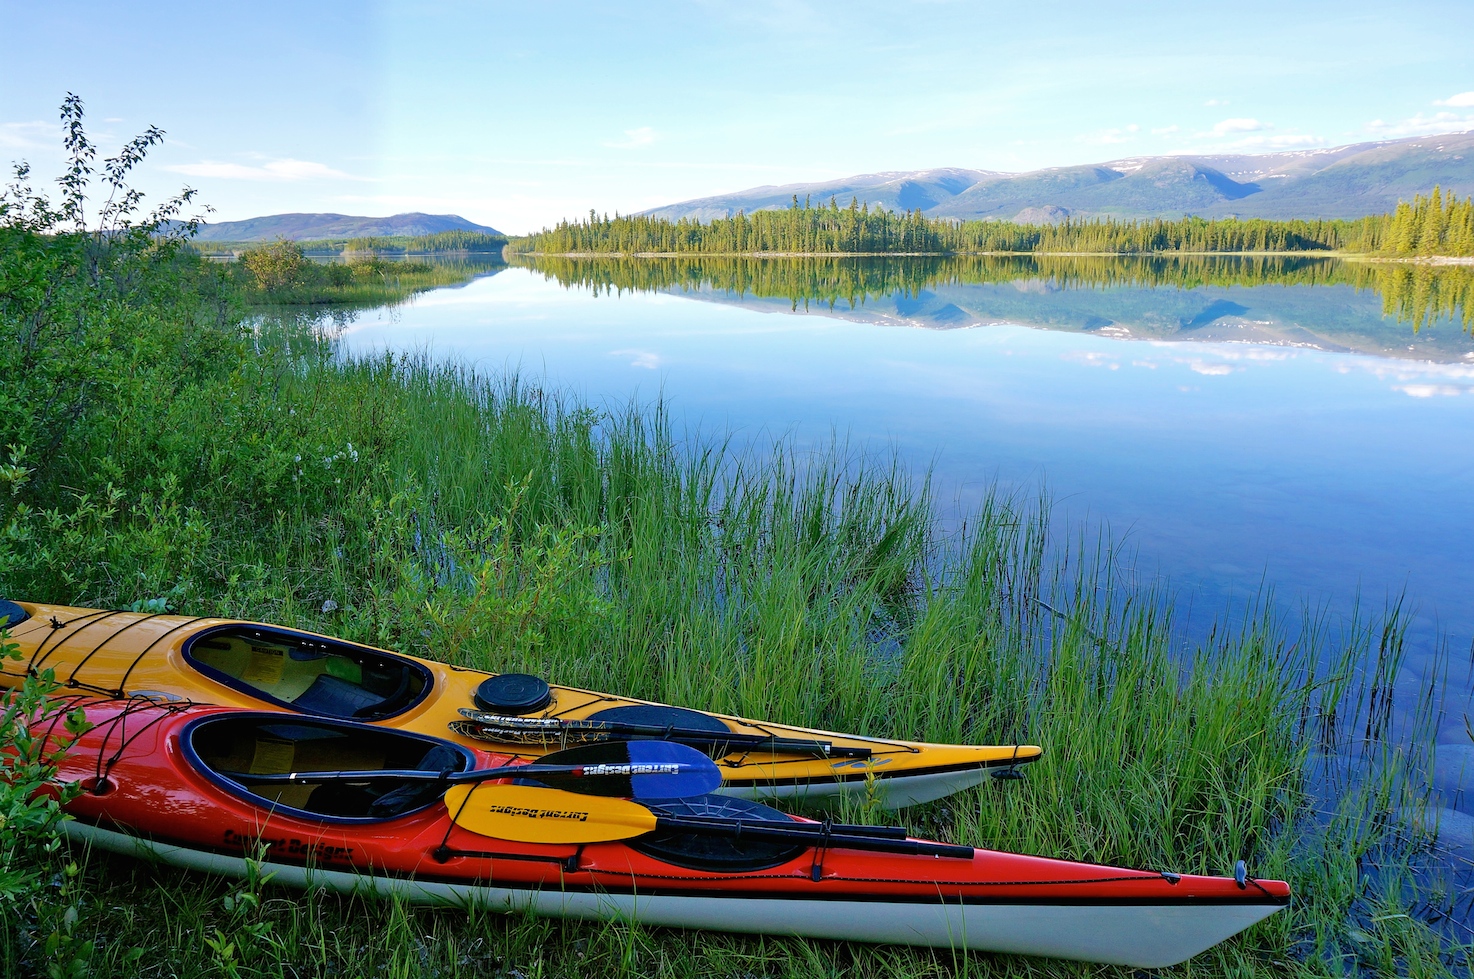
x=697 y=774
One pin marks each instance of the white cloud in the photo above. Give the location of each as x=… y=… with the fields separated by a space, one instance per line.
x=1210 y=370
x=1462 y=101
x=1421 y=125
x=1256 y=135
x=1429 y=390
x=639 y=358
x=282 y=170
x=1228 y=126
x=1108 y=136
x=1278 y=141
x=1164 y=131
x=1216 y=102
x=29 y=135
x=1093 y=358
x=634 y=139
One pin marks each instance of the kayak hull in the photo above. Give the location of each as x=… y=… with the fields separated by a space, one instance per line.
x=149 y=792
x=137 y=654
x=1143 y=936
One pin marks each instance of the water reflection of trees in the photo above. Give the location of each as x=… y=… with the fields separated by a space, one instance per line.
x=1419 y=295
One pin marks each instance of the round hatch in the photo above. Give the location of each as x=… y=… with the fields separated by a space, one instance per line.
x=513 y=693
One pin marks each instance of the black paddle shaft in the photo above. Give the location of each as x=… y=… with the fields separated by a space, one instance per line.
x=521 y=727
x=812 y=834
x=618 y=769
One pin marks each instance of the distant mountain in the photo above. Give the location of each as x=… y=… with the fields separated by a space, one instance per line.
x=1342 y=182
x=317 y=227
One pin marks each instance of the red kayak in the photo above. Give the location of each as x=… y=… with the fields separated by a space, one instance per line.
x=355 y=807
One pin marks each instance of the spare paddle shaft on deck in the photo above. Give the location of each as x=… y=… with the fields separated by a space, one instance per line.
x=621 y=769
x=500 y=727
x=885 y=839
x=627 y=770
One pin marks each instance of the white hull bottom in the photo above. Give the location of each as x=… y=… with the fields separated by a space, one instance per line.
x=893 y=793
x=1142 y=936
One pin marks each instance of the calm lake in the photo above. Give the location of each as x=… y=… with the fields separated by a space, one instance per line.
x=1305 y=425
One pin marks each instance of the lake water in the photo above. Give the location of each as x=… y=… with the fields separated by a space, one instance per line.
x=1237 y=425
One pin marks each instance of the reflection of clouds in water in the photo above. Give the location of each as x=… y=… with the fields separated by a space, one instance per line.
x=639 y=358
x=1429 y=390
x=1427 y=380
x=1211 y=370
x=1092 y=358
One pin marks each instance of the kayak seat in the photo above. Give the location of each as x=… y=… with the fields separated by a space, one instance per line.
x=335 y=697
x=309 y=674
x=239 y=746
x=386 y=799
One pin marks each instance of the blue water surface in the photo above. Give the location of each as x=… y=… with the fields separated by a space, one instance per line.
x=1225 y=463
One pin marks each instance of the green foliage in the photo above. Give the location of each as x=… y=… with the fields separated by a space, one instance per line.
x=276 y=266
x=281 y=275
x=35 y=731
x=1425 y=229
x=1438 y=224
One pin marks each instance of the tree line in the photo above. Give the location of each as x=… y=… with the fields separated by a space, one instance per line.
x=1438 y=224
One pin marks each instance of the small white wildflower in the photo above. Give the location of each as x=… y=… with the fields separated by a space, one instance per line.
x=298 y=459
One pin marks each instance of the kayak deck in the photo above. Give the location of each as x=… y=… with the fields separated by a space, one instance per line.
x=252 y=665
x=160 y=797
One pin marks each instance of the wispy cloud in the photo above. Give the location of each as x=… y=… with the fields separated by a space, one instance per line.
x=1253 y=134
x=644 y=359
x=1229 y=126
x=1109 y=136
x=29 y=135
x=1164 y=131
x=1422 y=125
x=633 y=139
x=1216 y=102
x=1462 y=101
x=277 y=170
x=1429 y=390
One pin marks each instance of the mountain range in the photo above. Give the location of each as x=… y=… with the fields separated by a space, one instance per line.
x=319 y=227
x=1340 y=182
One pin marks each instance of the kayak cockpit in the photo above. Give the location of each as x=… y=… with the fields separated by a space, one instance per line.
x=233 y=749
x=309 y=674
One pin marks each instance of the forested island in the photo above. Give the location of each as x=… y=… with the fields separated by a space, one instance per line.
x=439 y=244
x=1432 y=225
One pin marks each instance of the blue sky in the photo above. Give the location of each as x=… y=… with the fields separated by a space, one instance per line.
x=518 y=114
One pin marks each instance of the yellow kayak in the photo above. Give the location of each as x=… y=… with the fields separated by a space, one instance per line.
x=251 y=664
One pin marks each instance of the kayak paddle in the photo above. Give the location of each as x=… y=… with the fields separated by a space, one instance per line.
x=545 y=730
x=637 y=769
x=530 y=814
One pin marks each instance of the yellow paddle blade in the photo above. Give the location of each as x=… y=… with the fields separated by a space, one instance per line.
x=530 y=814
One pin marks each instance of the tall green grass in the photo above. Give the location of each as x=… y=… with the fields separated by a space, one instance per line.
x=488 y=522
